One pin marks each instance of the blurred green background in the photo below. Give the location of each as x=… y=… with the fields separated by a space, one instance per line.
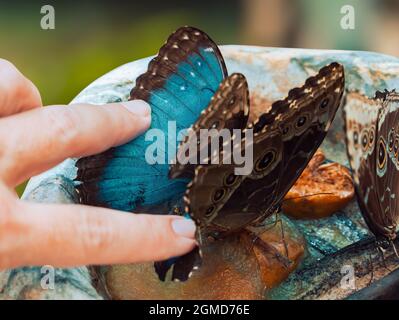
x=93 y=37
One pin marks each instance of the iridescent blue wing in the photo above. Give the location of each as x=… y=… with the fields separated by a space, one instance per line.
x=178 y=85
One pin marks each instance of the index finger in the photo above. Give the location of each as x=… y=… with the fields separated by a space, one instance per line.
x=39 y=139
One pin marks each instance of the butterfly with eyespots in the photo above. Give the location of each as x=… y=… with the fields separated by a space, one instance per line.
x=284 y=140
x=372 y=135
x=187 y=82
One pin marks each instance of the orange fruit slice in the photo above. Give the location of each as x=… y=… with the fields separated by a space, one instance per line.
x=321 y=190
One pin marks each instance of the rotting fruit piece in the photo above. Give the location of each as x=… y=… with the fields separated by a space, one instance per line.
x=321 y=190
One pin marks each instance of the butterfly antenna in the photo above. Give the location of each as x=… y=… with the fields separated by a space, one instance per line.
x=307 y=195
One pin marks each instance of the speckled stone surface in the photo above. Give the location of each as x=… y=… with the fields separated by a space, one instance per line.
x=271 y=73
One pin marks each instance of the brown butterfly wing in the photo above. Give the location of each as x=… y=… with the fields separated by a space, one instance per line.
x=283 y=144
x=228 y=109
x=387 y=162
x=251 y=195
x=372 y=135
x=305 y=125
x=360 y=118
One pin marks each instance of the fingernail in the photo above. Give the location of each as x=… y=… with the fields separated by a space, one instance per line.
x=138 y=107
x=184 y=228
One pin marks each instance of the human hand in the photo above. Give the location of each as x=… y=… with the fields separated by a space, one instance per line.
x=34 y=139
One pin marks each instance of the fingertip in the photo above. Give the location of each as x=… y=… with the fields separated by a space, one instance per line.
x=184 y=228
x=141 y=109
x=184 y=235
x=35 y=96
x=138 y=107
x=166 y=236
x=134 y=123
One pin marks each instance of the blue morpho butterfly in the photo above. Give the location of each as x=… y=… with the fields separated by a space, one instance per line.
x=180 y=82
x=179 y=85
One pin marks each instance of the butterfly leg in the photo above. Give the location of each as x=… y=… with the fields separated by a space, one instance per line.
x=266 y=248
x=372 y=270
x=282 y=233
x=381 y=252
x=278 y=220
x=394 y=249
x=270 y=225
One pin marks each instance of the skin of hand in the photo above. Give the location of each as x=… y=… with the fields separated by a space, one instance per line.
x=34 y=139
